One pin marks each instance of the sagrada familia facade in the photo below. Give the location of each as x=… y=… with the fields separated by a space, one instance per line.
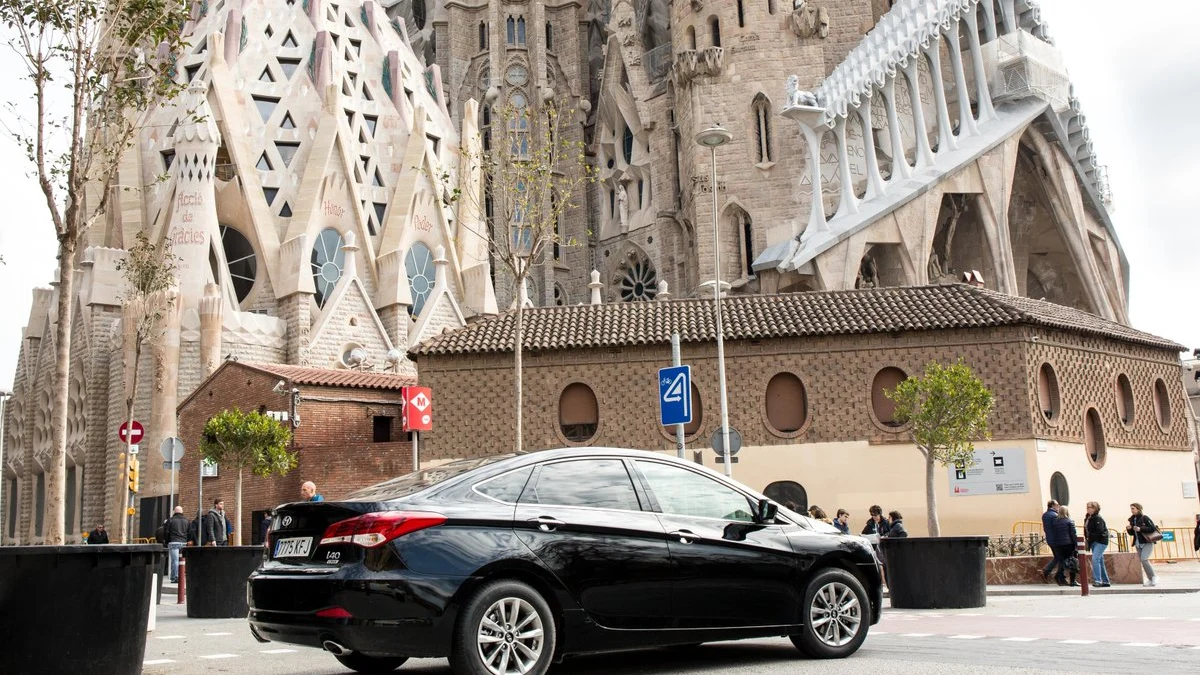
x=874 y=143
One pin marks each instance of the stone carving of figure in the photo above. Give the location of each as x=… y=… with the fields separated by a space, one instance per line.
x=797 y=96
x=935 y=267
x=623 y=206
x=868 y=273
x=809 y=21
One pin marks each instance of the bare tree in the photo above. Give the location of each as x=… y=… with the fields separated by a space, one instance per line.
x=518 y=179
x=149 y=272
x=86 y=63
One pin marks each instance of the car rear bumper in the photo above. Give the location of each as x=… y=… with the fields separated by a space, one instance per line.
x=408 y=615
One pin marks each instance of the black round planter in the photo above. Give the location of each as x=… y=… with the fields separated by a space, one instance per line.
x=216 y=580
x=935 y=572
x=76 y=609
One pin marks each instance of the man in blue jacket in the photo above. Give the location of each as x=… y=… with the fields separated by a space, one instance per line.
x=1052 y=541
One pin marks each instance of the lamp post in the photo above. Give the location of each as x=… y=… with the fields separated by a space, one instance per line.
x=713 y=138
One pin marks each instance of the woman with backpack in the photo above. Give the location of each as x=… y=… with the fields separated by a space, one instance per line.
x=1064 y=530
x=1095 y=532
x=1145 y=533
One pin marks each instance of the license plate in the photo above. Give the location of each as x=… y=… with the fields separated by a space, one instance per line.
x=293 y=547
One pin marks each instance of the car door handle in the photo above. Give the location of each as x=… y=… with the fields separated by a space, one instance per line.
x=546 y=523
x=685 y=536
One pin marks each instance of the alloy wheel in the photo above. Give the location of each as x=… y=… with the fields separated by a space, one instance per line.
x=510 y=637
x=835 y=614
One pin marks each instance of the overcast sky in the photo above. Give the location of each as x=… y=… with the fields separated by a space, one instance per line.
x=1131 y=63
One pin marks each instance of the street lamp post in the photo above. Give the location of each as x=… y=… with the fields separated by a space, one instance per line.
x=713 y=138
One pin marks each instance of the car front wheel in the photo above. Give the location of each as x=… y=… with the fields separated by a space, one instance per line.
x=836 y=616
x=506 y=628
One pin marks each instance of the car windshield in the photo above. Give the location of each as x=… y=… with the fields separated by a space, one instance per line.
x=412 y=483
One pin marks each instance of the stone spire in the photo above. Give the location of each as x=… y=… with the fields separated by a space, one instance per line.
x=193 y=224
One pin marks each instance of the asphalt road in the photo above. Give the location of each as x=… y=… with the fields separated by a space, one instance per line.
x=1157 y=634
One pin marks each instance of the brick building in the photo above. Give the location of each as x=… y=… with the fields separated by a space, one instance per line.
x=1094 y=408
x=348 y=434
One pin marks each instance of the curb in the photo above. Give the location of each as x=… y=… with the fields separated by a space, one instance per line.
x=1058 y=592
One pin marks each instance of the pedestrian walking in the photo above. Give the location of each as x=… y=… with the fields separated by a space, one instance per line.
x=215 y=529
x=266 y=525
x=817 y=512
x=1145 y=534
x=308 y=492
x=1196 y=537
x=877 y=523
x=896 y=531
x=1048 y=518
x=842 y=521
x=1065 y=531
x=98 y=535
x=177 y=538
x=1095 y=532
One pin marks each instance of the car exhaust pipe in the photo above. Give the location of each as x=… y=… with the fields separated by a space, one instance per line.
x=335 y=648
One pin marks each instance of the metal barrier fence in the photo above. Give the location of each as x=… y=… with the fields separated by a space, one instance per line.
x=1175 y=545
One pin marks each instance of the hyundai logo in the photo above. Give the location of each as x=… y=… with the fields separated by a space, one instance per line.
x=287 y=521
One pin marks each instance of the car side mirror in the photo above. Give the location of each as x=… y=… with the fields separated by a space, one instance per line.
x=766 y=511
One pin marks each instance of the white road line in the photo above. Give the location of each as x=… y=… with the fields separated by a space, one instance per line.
x=169 y=637
x=1020 y=639
x=1077 y=642
x=1151 y=618
x=1054 y=616
x=217 y=634
x=219 y=656
x=1010 y=616
x=966 y=637
x=157 y=662
x=278 y=651
x=1101 y=617
x=968 y=615
x=917 y=635
x=878 y=632
x=1141 y=644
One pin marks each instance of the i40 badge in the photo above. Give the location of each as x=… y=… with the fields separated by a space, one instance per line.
x=333 y=557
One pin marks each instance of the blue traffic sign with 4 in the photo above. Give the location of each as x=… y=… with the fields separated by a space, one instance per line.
x=675 y=395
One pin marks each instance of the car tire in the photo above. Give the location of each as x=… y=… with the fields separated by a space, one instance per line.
x=361 y=663
x=505 y=623
x=835 y=616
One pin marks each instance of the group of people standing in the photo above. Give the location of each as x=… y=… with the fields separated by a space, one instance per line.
x=1062 y=537
x=891 y=525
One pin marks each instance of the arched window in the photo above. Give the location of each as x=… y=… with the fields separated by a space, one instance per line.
x=418 y=10
x=510 y=31
x=639 y=280
x=327 y=260
x=884 y=407
x=483 y=35
x=578 y=413
x=741 y=15
x=240 y=260
x=790 y=494
x=1124 y=399
x=521 y=31
x=549 y=37
x=770 y=6
x=692 y=428
x=748 y=244
x=1059 y=490
x=422 y=276
x=627 y=145
x=1162 y=404
x=1093 y=438
x=714 y=27
x=761 y=110
x=1048 y=395
x=787 y=404
x=485 y=127
x=691 y=37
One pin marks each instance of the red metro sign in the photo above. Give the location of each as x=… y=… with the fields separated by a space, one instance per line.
x=418 y=409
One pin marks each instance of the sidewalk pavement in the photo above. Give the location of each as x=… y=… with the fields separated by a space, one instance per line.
x=1176 y=577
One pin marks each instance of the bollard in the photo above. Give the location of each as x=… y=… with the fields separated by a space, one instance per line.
x=181 y=592
x=1085 y=573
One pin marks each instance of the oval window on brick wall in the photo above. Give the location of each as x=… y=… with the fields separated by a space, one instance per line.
x=1162 y=404
x=1093 y=438
x=578 y=413
x=883 y=407
x=1124 y=400
x=787 y=403
x=1048 y=397
x=1059 y=490
x=693 y=427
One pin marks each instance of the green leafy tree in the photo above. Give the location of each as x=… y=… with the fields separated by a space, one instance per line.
x=948 y=410
x=149 y=273
x=247 y=440
x=93 y=70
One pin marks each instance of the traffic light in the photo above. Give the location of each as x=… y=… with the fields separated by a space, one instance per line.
x=133 y=474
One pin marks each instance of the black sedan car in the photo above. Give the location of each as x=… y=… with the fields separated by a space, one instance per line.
x=508 y=564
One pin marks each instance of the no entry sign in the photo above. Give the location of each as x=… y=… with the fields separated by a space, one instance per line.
x=134 y=436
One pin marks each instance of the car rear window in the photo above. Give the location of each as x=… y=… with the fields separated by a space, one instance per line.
x=506 y=487
x=410 y=484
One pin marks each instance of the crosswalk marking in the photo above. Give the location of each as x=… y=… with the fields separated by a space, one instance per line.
x=917 y=635
x=217 y=634
x=219 y=656
x=279 y=651
x=1141 y=644
x=1021 y=639
x=169 y=637
x=1151 y=618
x=157 y=662
x=1077 y=642
x=966 y=637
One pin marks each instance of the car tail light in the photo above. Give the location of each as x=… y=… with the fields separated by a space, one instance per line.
x=375 y=529
x=335 y=613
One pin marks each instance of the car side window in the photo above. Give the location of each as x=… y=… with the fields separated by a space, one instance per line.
x=686 y=493
x=506 y=487
x=597 y=483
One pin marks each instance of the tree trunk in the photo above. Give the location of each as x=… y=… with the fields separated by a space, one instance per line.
x=518 y=340
x=126 y=497
x=237 y=512
x=56 y=472
x=935 y=530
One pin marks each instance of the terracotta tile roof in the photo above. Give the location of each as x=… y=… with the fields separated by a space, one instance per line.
x=883 y=310
x=328 y=377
